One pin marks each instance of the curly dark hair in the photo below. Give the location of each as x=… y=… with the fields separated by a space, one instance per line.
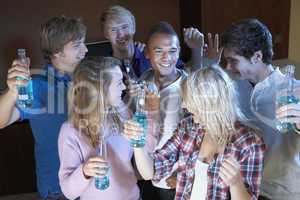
x=248 y=36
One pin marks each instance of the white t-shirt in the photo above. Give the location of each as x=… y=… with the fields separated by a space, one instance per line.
x=199 y=190
x=170 y=107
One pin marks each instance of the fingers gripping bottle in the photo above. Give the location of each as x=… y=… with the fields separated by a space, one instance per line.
x=287 y=96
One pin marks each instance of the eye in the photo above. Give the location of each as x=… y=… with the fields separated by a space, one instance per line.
x=158 y=51
x=125 y=27
x=173 y=51
x=113 y=30
x=77 y=44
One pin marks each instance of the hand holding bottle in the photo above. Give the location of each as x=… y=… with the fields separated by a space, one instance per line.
x=290 y=114
x=287 y=95
x=95 y=167
x=152 y=98
x=133 y=130
x=133 y=88
x=18 y=69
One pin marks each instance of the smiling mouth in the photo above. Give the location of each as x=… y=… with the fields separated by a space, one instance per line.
x=81 y=56
x=165 y=65
x=122 y=41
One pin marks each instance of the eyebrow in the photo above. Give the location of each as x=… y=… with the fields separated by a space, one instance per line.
x=172 y=48
x=78 y=41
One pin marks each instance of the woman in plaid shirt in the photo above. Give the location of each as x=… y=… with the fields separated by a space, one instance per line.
x=218 y=156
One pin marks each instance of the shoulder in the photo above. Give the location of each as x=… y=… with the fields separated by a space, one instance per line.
x=39 y=79
x=41 y=74
x=67 y=131
x=183 y=74
x=186 y=124
x=247 y=138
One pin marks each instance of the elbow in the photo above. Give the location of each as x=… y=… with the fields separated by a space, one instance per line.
x=148 y=176
x=68 y=192
x=2 y=125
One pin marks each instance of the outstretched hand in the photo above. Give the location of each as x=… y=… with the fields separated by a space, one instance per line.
x=141 y=46
x=193 y=38
x=212 y=50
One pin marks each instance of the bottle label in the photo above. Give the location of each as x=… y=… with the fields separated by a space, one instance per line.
x=23 y=97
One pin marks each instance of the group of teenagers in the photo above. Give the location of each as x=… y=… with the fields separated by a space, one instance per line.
x=211 y=131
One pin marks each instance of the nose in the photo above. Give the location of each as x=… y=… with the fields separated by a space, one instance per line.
x=120 y=33
x=123 y=87
x=165 y=56
x=84 y=48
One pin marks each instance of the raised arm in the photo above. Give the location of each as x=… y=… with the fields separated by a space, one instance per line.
x=8 y=111
x=195 y=41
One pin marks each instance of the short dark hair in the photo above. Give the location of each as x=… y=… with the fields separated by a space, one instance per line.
x=248 y=36
x=161 y=27
x=57 y=32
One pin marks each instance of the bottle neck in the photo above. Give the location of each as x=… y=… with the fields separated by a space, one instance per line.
x=290 y=74
x=140 y=103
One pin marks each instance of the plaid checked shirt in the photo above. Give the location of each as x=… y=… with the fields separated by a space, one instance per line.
x=246 y=147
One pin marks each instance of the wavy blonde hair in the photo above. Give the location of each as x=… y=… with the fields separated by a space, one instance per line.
x=88 y=109
x=210 y=95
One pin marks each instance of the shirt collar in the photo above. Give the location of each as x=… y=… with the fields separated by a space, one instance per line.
x=56 y=74
x=137 y=53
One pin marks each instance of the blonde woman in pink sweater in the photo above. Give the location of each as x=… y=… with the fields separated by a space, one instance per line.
x=96 y=111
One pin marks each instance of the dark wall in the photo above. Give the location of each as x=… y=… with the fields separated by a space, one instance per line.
x=17 y=164
x=20 y=22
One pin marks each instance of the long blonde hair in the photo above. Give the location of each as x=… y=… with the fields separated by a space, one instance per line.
x=88 y=110
x=210 y=95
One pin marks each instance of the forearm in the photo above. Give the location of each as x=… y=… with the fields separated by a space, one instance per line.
x=196 y=61
x=144 y=162
x=73 y=184
x=7 y=105
x=239 y=191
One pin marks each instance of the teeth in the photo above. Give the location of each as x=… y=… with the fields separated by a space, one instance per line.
x=122 y=41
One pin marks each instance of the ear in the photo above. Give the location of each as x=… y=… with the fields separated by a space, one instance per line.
x=133 y=29
x=133 y=26
x=257 y=57
x=58 y=55
x=105 y=34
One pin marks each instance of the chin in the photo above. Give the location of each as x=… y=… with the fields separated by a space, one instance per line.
x=166 y=72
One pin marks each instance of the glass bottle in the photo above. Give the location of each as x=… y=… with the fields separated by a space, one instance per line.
x=287 y=96
x=102 y=183
x=25 y=92
x=140 y=116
